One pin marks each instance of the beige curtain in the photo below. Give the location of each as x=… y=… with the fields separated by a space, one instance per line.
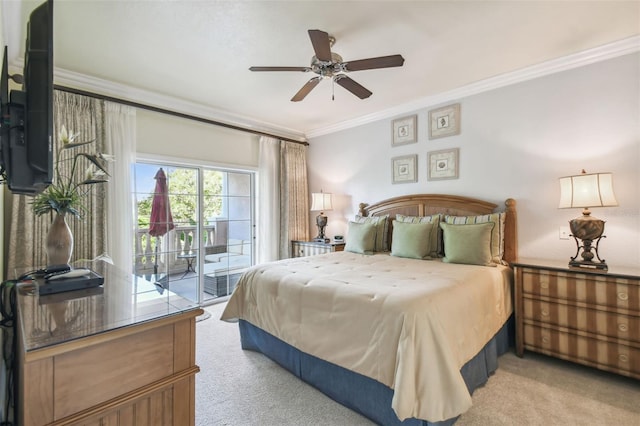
x=27 y=233
x=294 y=196
x=268 y=210
x=120 y=141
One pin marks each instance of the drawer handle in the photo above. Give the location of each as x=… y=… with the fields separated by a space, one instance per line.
x=545 y=339
x=622 y=327
x=544 y=284
x=623 y=357
x=623 y=296
x=545 y=313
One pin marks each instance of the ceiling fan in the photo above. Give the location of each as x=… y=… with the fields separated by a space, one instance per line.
x=328 y=64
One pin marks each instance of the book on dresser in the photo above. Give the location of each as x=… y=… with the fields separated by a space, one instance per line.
x=587 y=316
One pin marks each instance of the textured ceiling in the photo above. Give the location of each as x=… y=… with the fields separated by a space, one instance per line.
x=200 y=51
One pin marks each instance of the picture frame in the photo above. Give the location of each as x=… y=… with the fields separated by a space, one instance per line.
x=404 y=130
x=443 y=164
x=404 y=169
x=444 y=121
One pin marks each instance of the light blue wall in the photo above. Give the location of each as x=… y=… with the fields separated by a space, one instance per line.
x=516 y=142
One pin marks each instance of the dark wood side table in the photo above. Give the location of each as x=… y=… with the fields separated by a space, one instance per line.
x=310 y=248
x=586 y=316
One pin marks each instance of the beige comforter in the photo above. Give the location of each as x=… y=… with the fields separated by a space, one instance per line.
x=410 y=324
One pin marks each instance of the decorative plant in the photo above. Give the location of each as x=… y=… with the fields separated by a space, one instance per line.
x=68 y=189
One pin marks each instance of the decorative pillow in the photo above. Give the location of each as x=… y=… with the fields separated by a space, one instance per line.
x=470 y=244
x=382 y=230
x=497 y=236
x=436 y=234
x=411 y=240
x=361 y=238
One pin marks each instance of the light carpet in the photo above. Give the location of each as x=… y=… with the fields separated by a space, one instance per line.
x=236 y=388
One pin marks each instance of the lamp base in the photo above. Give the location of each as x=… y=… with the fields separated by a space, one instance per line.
x=588 y=265
x=589 y=252
x=321 y=223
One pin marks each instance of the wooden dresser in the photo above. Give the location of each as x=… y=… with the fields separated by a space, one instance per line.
x=587 y=316
x=309 y=248
x=118 y=354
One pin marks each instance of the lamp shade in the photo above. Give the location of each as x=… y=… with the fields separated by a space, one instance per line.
x=321 y=201
x=587 y=190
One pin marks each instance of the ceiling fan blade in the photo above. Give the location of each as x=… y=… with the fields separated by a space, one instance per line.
x=373 y=63
x=303 y=69
x=321 y=44
x=355 y=88
x=308 y=87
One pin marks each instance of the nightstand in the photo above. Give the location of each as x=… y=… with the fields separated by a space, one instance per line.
x=591 y=317
x=309 y=248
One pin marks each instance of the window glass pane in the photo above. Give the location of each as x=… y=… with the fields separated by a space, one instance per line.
x=214 y=207
x=143 y=181
x=183 y=195
x=184 y=209
x=239 y=184
x=240 y=230
x=214 y=227
x=240 y=208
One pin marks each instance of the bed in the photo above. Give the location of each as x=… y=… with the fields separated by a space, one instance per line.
x=379 y=328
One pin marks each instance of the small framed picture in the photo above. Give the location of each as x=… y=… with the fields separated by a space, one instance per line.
x=444 y=121
x=404 y=130
x=442 y=164
x=404 y=169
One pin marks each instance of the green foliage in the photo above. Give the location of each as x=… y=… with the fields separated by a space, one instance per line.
x=70 y=186
x=58 y=199
x=144 y=212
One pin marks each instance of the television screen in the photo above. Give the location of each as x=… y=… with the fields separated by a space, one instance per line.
x=27 y=133
x=4 y=109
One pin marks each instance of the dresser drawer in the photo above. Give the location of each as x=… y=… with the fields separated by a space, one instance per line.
x=617 y=358
x=614 y=292
x=592 y=321
x=312 y=248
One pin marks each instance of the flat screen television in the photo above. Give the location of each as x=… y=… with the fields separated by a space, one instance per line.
x=26 y=132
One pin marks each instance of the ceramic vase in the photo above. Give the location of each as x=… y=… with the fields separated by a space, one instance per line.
x=59 y=241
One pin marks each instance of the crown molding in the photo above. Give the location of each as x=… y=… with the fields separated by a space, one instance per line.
x=586 y=57
x=99 y=86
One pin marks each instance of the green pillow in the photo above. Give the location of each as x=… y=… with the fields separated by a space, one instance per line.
x=382 y=230
x=436 y=237
x=411 y=240
x=470 y=244
x=497 y=235
x=361 y=238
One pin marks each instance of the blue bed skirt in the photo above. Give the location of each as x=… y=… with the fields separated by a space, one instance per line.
x=368 y=397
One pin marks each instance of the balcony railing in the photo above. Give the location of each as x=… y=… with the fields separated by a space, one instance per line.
x=179 y=241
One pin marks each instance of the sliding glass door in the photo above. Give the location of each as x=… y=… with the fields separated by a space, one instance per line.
x=199 y=242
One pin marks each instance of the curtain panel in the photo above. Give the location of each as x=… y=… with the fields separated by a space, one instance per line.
x=120 y=141
x=268 y=208
x=27 y=233
x=294 y=196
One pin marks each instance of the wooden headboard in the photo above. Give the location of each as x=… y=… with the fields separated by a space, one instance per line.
x=428 y=204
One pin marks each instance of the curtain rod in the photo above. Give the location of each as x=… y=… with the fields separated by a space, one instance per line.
x=174 y=113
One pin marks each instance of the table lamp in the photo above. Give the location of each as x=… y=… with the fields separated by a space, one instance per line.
x=321 y=201
x=587 y=190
